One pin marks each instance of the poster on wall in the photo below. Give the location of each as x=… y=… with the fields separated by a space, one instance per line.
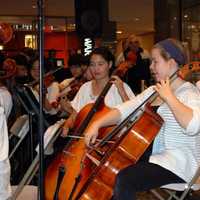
x=30 y=41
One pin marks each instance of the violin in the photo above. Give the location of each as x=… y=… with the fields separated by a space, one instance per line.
x=122 y=69
x=74 y=87
x=125 y=65
x=48 y=79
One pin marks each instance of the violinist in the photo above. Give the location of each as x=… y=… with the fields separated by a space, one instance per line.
x=123 y=67
x=52 y=89
x=140 y=70
x=175 y=156
x=101 y=61
x=69 y=87
x=21 y=76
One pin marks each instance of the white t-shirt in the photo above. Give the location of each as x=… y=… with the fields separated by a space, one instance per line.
x=198 y=84
x=174 y=148
x=5 y=100
x=52 y=95
x=5 y=108
x=85 y=96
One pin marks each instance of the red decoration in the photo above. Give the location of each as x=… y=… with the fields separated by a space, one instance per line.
x=6 y=33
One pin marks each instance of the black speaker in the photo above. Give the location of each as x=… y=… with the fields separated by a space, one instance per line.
x=88 y=17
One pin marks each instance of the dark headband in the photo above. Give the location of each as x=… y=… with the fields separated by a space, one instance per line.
x=173 y=51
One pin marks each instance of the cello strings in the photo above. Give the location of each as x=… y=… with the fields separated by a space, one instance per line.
x=82 y=137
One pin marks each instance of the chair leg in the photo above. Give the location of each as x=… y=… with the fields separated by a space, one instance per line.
x=156 y=194
x=185 y=193
x=172 y=194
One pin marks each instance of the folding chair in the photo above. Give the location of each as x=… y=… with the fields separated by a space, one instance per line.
x=50 y=136
x=186 y=188
x=19 y=129
x=23 y=134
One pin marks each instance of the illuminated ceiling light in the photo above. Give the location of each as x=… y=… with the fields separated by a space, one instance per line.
x=185 y=16
x=1 y=47
x=119 y=32
x=137 y=19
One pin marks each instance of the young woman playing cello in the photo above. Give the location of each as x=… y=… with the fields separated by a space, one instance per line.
x=101 y=61
x=176 y=149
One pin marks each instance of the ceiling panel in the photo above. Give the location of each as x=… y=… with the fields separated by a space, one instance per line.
x=132 y=16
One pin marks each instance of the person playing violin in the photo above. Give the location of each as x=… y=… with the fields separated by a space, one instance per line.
x=101 y=61
x=123 y=67
x=52 y=89
x=69 y=87
x=175 y=155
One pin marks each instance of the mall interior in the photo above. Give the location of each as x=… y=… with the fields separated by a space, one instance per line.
x=57 y=58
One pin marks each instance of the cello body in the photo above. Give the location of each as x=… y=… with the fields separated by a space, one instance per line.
x=73 y=159
x=126 y=151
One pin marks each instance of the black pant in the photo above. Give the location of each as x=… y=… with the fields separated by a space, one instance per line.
x=142 y=176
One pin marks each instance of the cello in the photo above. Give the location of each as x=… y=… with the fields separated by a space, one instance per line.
x=140 y=133
x=70 y=159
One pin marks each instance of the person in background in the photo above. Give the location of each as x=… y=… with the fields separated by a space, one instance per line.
x=22 y=73
x=175 y=156
x=140 y=72
x=51 y=88
x=78 y=66
x=51 y=63
x=5 y=109
x=124 y=66
x=121 y=56
x=74 y=65
x=101 y=61
x=29 y=53
x=87 y=75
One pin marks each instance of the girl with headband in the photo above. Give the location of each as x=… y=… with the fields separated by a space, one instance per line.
x=175 y=154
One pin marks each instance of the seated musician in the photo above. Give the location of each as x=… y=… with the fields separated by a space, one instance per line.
x=101 y=61
x=176 y=151
x=5 y=109
x=70 y=86
x=52 y=89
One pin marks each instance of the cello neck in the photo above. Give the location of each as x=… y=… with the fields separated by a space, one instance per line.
x=97 y=105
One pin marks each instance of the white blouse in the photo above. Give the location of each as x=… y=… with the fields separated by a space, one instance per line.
x=5 y=109
x=174 y=148
x=85 y=96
